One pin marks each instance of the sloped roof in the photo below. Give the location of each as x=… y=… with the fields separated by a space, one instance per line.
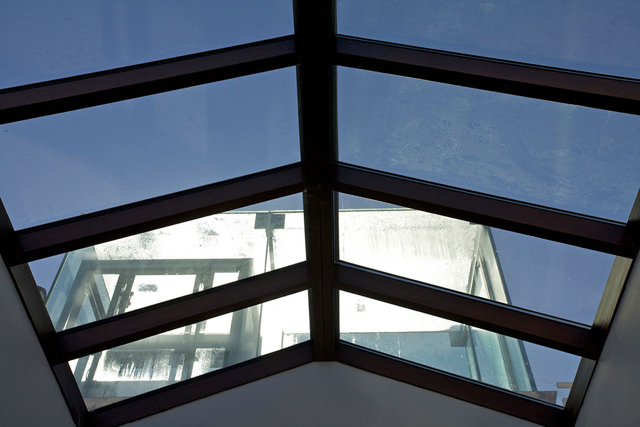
x=316 y=49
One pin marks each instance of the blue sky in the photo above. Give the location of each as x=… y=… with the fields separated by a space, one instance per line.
x=568 y=157
x=43 y=40
x=588 y=35
x=96 y=158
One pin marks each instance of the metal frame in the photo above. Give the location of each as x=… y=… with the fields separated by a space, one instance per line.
x=500 y=318
x=533 y=81
x=93 y=89
x=315 y=29
x=452 y=385
x=169 y=397
x=316 y=50
x=551 y=224
x=99 y=227
x=84 y=284
x=193 y=308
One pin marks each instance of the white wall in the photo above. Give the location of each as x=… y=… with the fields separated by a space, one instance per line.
x=29 y=393
x=329 y=394
x=614 y=393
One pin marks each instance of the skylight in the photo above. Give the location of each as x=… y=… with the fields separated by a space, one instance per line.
x=452 y=205
x=91 y=159
x=599 y=38
x=45 y=41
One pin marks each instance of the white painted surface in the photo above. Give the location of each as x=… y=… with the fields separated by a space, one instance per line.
x=329 y=394
x=413 y=244
x=29 y=393
x=614 y=392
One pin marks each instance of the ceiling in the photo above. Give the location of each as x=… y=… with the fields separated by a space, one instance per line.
x=333 y=161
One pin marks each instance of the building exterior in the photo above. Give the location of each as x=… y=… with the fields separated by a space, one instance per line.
x=135 y=272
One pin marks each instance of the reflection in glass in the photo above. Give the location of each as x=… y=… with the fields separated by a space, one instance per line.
x=563 y=156
x=83 y=161
x=191 y=351
x=456 y=348
x=541 y=275
x=594 y=36
x=41 y=40
x=145 y=269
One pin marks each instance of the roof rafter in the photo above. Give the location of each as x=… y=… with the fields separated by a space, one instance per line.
x=316 y=49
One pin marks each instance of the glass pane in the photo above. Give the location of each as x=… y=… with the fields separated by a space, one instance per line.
x=458 y=349
x=126 y=274
x=564 y=156
x=41 y=40
x=191 y=351
x=540 y=275
x=593 y=36
x=87 y=160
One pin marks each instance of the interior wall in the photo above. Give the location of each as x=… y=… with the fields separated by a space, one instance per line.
x=29 y=393
x=613 y=395
x=330 y=394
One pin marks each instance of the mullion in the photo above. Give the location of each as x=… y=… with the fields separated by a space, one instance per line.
x=315 y=30
x=36 y=100
x=604 y=316
x=534 y=81
x=579 y=387
x=460 y=388
x=473 y=311
x=202 y=386
x=105 y=87
x=550 y=224
x=71 y=393
x=618 y=277
x=156 y=319
x=42 y=325
x=91 y=229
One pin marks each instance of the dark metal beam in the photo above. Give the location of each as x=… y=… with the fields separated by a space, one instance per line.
x=43 y=327
x=89 y=90
x=451 y=385
x=169 y=397
x=91 y=229
x=563 y=227
x=552 y=84
x=579 y=387
x=315 y=30
x=153 y=320
x=37 y=313
x=316 y=48
x=71 y=394
x=611 y=296
x=474 y=311
x=606 y=311
x=28 y=290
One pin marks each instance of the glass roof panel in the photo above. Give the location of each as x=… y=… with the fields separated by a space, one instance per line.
x=117 y=277
x=594 y=36
x=83 y=161
x=563 y=156
x=541 y=275
x=191 y=351
x=41 y=40
x=498 y=360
